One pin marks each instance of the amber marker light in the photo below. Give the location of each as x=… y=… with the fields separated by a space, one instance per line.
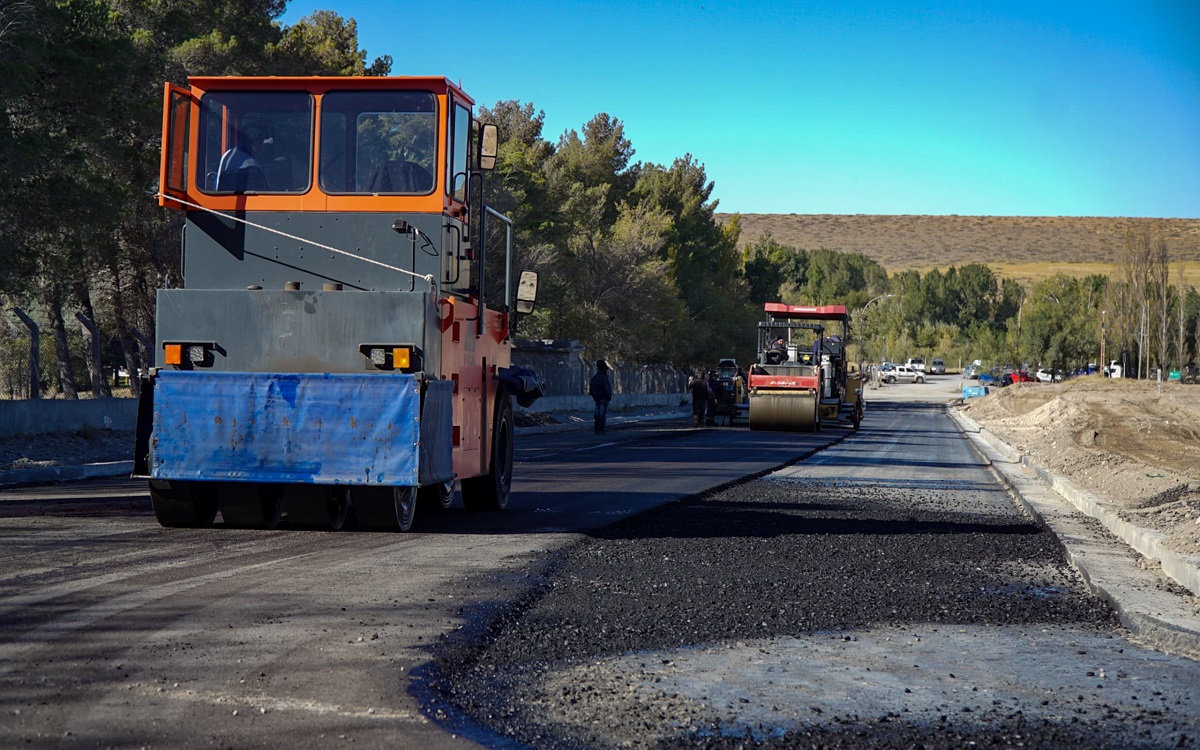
x=401 y=357
x=173 y=354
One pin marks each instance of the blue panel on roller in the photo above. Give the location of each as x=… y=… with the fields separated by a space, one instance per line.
x=286 y=427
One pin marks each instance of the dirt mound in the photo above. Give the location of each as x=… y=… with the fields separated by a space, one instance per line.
x=1131 y=443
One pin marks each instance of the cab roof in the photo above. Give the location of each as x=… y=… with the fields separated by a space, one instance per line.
x=320 y=84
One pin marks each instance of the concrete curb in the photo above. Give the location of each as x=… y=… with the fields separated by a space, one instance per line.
x=1184 y=569
x=1112 y=571
x=56 y=474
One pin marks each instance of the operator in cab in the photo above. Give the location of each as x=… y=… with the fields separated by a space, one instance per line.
x=241 y=167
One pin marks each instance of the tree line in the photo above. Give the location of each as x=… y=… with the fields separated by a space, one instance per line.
x=80 y=122
x=633 y=262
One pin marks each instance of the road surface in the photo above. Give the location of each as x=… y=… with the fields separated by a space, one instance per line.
x=119 y=633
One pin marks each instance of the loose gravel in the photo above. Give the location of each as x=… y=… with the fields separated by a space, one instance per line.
x=636 y=634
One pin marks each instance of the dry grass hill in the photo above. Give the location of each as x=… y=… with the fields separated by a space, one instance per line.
x=1026 y=248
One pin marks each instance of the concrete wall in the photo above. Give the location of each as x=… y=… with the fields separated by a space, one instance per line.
x=561 y=363
x=620 y=401
x=567 y=373
x=37 y=416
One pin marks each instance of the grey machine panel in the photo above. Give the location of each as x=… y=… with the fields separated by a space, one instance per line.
x=221 y=253
x=297 y=331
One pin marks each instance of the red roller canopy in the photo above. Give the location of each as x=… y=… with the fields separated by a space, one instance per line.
x=805 y=312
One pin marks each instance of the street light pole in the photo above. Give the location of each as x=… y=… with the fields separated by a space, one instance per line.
x=1103 y=336
x=875 y=299
x=862 y=339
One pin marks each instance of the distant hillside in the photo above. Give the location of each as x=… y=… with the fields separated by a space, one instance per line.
x=924 y=242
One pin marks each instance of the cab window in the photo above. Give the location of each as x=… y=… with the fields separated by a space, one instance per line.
x=378 y=142
x=456 y=178
x=256 y=142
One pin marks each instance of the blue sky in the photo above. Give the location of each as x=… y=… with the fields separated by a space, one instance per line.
x=998 y=108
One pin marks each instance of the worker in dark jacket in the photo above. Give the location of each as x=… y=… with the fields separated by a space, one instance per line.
x=702 y=393
x=601 y=389
x=714 y=385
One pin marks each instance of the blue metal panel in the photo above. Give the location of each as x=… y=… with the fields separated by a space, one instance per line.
x=286 y=427
x=974 y=391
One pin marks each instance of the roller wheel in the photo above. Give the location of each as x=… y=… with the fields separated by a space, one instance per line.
x=189 y=505
x=318 y=507
x=440 y=495
x=491 y=491
x=250 y=505
x=784 y=411
x=385 y=508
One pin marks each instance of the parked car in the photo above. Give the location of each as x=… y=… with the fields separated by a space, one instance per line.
x=937 y=367
x=916 y=363
x=971 y=371
x=1021 y=376
x=1190 y=374
x=903 y=374
x=1047 y=376
x=986 y=378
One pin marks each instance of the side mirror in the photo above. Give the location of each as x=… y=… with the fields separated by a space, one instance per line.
x=489 y=144
x=526 y=292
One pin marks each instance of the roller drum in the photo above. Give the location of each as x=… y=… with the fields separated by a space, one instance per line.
x=784 y=411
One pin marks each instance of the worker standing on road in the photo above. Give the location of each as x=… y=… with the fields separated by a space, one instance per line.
x=714 y=387
x=601 y=389
x=702 y=393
